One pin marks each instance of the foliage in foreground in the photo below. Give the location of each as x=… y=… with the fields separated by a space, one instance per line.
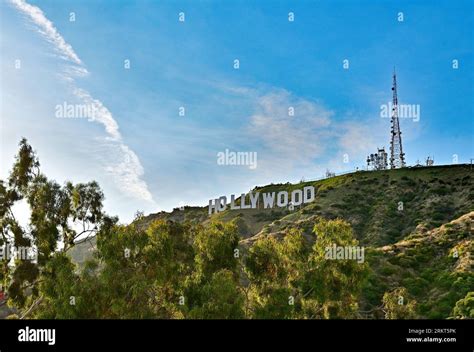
x=171 y=269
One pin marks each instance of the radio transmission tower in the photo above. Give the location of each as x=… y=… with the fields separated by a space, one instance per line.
x=397 y=157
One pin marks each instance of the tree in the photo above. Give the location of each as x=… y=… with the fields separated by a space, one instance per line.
x=144 y=268
x=215 y=247
x=221 y=298
x=213 y=286
x=268 y=291
x=291 y=279
x=334 y=283
x=398 y=305
x=263 y=263
x=59 y=216
x=464 y=308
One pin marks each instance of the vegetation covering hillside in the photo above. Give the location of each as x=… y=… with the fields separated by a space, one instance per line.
x=369 y=201
x=425 y=247
x=415 y=226
x=435 y=266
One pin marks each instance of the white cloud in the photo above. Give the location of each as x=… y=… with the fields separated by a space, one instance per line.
x=314 y=138
x=129 y=170
x=101 y=113
x=121 y=161
x=47 y=29
x=358 y=138
x=299 y=138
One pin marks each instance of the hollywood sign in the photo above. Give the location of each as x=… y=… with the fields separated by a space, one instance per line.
x=280 y=199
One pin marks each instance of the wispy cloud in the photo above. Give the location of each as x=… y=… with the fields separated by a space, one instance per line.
x=121 y=161
x=291 y=128
x=313 y=137
x=101 y=115
x=47 y=29
x=128 y=170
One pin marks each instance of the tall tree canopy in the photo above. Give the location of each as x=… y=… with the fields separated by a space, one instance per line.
x=59 y=215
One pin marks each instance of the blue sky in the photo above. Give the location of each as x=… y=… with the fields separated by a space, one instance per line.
x=147 y=157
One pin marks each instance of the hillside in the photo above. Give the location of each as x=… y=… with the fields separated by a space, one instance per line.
x=369 y=201
x=431 y=196
x=425 y=246
x=411 y=248
x=436 y=267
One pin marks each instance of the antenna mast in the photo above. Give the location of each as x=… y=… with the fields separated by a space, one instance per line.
x=397 y=157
